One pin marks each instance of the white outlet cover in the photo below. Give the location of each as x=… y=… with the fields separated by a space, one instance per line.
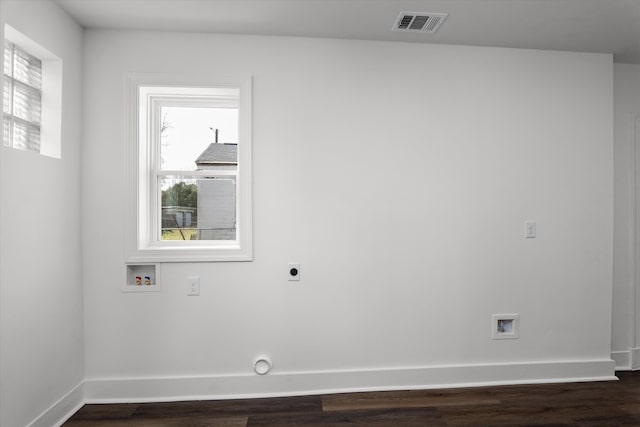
x=505 y=326
x=291 y=266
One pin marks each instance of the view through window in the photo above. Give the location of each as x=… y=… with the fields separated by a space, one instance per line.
x=204 y=140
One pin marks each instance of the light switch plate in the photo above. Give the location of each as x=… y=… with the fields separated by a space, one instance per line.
x=193 y=286
x=530 y=229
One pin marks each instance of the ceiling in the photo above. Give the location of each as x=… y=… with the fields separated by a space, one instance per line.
x=605 y=26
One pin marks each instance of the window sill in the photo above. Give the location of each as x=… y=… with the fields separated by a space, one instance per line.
x=190 y=254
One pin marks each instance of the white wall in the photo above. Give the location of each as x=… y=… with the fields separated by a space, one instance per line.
x=400 y=176
x=625 y=343
x=41 y=295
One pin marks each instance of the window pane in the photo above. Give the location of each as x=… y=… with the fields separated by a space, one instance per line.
x=179 y=198
x=198 y=209
x=27 y=68
x=6 y=131
x=26 y=103
x=7 y=58
x=26 y=136
x=6 y=96
x=186 y=132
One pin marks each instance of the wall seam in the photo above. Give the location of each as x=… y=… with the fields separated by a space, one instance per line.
x=634 y=134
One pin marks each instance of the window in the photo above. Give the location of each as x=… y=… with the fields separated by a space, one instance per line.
x=22 y=99
x=189 y=163
x=31 y=96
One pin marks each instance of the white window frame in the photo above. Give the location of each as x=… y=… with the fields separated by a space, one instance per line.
x=146 y=94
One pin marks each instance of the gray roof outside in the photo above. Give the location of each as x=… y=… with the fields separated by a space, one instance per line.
x=219 y=154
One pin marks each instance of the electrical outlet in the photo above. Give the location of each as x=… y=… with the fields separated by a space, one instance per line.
x=193 y=284
x=294 y=271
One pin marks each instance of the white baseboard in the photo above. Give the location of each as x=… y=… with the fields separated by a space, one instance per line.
x=158 y=389
x=118 y=390
x=627 y=360
x=622 y=360
x=635 y=359
x=62 y=410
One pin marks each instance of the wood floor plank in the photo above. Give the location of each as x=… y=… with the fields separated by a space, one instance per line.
x=631 y=408
x=225 y=408
x=368 y=418
x=507 y=415
x=106 y=411
x=163 y=422
x=400 y=399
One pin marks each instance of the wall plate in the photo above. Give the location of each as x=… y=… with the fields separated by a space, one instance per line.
x=505 y=326
x=293 y=271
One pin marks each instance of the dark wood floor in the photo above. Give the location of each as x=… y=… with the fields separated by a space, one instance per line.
x=610 y=403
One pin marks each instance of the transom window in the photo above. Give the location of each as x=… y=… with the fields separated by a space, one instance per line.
x=22 y=98
x=191 y=166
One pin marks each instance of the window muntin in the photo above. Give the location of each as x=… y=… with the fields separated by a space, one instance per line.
x=22 y=98
x=170 y=221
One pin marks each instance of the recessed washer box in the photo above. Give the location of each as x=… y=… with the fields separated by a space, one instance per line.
x=505 y=326
x=142 y=277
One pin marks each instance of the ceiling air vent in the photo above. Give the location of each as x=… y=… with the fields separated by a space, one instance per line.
x=419 y=22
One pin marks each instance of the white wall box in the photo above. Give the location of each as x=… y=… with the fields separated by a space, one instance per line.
x=505 y=326
x=142 y=278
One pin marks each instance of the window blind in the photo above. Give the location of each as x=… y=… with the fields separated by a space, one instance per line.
x=22 y=98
